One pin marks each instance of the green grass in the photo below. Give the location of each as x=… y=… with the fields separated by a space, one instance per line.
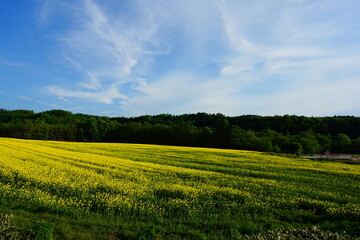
x=78 y=191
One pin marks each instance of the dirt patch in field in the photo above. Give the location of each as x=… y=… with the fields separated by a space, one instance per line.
x=334 y=156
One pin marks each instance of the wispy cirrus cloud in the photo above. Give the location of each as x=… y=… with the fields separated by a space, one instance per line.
x=180 y=92
x=106 y=48
x=44 y=11
x=295 y=55
x=106 y=96
x=9 y=63
x=229 y=56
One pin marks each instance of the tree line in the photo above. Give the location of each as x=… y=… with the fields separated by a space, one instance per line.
x=285 y=134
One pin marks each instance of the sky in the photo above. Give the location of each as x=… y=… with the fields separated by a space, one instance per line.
x=139 y=57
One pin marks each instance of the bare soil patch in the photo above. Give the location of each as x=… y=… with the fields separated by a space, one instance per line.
x=334 y=156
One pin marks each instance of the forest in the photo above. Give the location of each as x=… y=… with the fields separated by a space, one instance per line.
x=278 y=134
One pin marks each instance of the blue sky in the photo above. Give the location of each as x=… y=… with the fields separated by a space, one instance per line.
x=137 y=57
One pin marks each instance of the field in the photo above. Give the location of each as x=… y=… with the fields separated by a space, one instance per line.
x=134 y=191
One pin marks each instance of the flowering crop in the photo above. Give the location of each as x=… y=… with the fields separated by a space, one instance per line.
x=197 y=187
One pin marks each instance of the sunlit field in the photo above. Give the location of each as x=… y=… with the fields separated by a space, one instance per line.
x=134 y=191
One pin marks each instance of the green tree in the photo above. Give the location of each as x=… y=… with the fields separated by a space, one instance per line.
x=238 y=138
x=324 y=142
x=92 y=130
x=296 y=148
x=340 y=143
x=355 y=145
x=308 y=142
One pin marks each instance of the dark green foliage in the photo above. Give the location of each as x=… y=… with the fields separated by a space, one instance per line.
x=43 y=231
x=355 y=145
x=295 y=148
x=324 y=142
x=290 y=134
x=308 y=142
x=341 y=143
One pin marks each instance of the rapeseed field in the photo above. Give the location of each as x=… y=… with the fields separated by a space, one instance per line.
x=135 y=191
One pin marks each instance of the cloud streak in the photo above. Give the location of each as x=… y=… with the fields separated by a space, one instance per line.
x=105 y=50
x=227 y=56
x=105 y=96
x=6 y=62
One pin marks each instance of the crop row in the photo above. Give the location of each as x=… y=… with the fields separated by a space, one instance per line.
x=163 y=182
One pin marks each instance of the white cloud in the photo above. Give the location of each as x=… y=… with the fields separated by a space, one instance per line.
x=107 y=96
x=235 y=69
x=44 y=11
x=10 y=63
x=25 y=98
x=317 y=99
x=185 y=92
x=229 y=56
x=105 y=49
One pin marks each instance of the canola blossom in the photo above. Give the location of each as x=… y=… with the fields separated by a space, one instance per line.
x=180 y=184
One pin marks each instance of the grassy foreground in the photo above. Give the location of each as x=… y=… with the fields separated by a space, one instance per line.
x=133 y=191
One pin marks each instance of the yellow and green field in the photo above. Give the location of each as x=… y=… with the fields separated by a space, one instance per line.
x=134 y=191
